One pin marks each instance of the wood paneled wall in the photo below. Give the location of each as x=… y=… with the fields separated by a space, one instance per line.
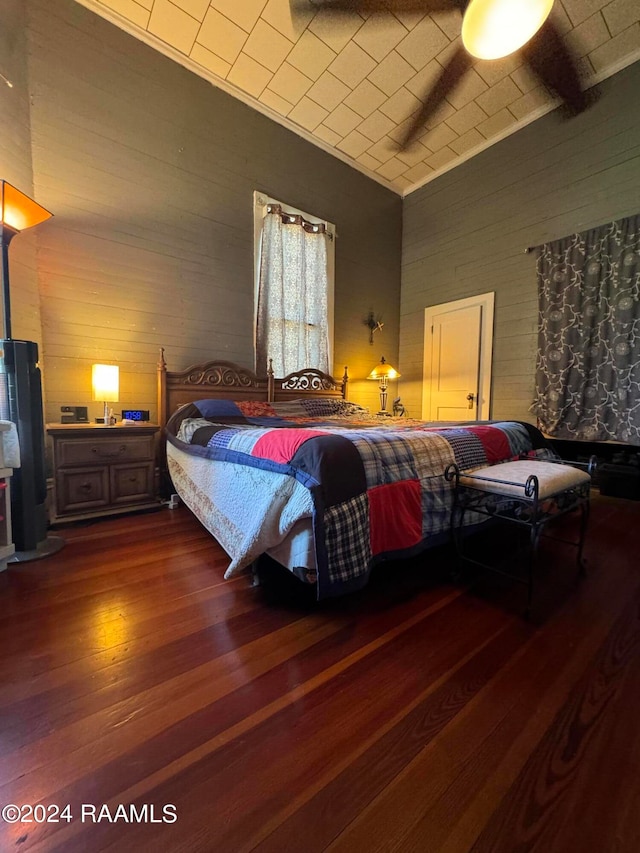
x=467 y=232
x=150 y=171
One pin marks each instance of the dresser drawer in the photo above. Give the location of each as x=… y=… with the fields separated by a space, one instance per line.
x=124 y=448
x=131 y=483
x=82 y=489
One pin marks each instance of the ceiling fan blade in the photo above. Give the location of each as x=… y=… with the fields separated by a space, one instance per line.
x=352 y=6
x=451 y=75
x=550 y=60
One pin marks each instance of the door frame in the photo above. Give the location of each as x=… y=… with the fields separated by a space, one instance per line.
x=487 y=304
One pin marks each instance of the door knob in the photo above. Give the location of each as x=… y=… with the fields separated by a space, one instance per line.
x=470 y=398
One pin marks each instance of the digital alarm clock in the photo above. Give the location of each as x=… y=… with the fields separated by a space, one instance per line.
x=135 y=414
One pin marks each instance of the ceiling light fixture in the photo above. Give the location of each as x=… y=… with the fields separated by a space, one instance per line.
x=492 y=29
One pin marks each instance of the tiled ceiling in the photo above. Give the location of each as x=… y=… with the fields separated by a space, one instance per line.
x=350 y=83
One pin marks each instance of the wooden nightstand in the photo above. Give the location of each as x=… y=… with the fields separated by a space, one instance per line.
x=102 y=470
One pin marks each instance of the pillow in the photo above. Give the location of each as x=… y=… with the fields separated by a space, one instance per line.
x=237 y=412
x=218 y=410
x=318 y=407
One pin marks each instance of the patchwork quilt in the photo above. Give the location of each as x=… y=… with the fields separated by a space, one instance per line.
x=377 y=485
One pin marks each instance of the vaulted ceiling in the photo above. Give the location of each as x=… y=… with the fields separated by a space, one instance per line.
x=350 y=83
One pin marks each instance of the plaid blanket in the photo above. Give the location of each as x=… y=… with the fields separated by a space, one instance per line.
x=377 y=485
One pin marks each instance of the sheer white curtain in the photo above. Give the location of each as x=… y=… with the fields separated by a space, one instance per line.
x=292 y=314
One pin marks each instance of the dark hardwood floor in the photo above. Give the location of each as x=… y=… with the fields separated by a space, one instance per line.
x=416 y=715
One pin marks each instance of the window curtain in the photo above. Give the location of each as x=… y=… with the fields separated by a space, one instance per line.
x=292 y=294
x=588 y=366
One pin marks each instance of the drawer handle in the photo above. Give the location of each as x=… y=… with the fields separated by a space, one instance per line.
x=109 y=454
x=85 y=487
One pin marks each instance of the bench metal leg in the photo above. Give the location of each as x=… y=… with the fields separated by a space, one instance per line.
x=536 y=516
x=585 y=509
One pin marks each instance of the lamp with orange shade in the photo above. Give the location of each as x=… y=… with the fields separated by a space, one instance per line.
x=17 y=212
x=21 y=395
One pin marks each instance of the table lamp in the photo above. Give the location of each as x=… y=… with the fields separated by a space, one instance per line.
x=106 y=387
x=383 y=372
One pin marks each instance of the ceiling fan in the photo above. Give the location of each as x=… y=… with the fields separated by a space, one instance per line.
x=491 y=29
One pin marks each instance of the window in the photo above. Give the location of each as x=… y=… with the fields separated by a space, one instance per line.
x=294 y=276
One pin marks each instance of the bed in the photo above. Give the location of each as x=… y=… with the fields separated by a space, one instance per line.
x=290 y=468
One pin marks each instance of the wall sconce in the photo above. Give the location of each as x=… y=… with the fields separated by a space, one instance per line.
x=383 y=372
x=373 y=324
x=106 y=387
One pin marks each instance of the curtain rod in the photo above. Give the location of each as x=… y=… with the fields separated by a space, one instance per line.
x=575 y=234
x=287 y=216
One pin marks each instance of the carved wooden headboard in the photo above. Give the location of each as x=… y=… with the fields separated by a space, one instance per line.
x=306 y=383
x=218 y=378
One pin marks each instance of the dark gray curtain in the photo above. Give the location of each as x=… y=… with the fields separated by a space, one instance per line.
x=588 y=366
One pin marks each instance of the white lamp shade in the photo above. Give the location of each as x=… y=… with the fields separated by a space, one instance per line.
x=492 y=29
x=105 y=382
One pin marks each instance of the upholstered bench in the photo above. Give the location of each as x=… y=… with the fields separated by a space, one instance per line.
x=529 y=492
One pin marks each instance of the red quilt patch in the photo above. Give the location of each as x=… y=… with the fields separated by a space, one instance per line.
x=494 y=441
x=395 y=516
x=280 y=445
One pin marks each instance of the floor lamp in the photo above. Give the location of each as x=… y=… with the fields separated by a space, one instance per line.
x=21 y=396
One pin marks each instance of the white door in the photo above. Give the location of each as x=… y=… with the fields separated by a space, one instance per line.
x=457 y=375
